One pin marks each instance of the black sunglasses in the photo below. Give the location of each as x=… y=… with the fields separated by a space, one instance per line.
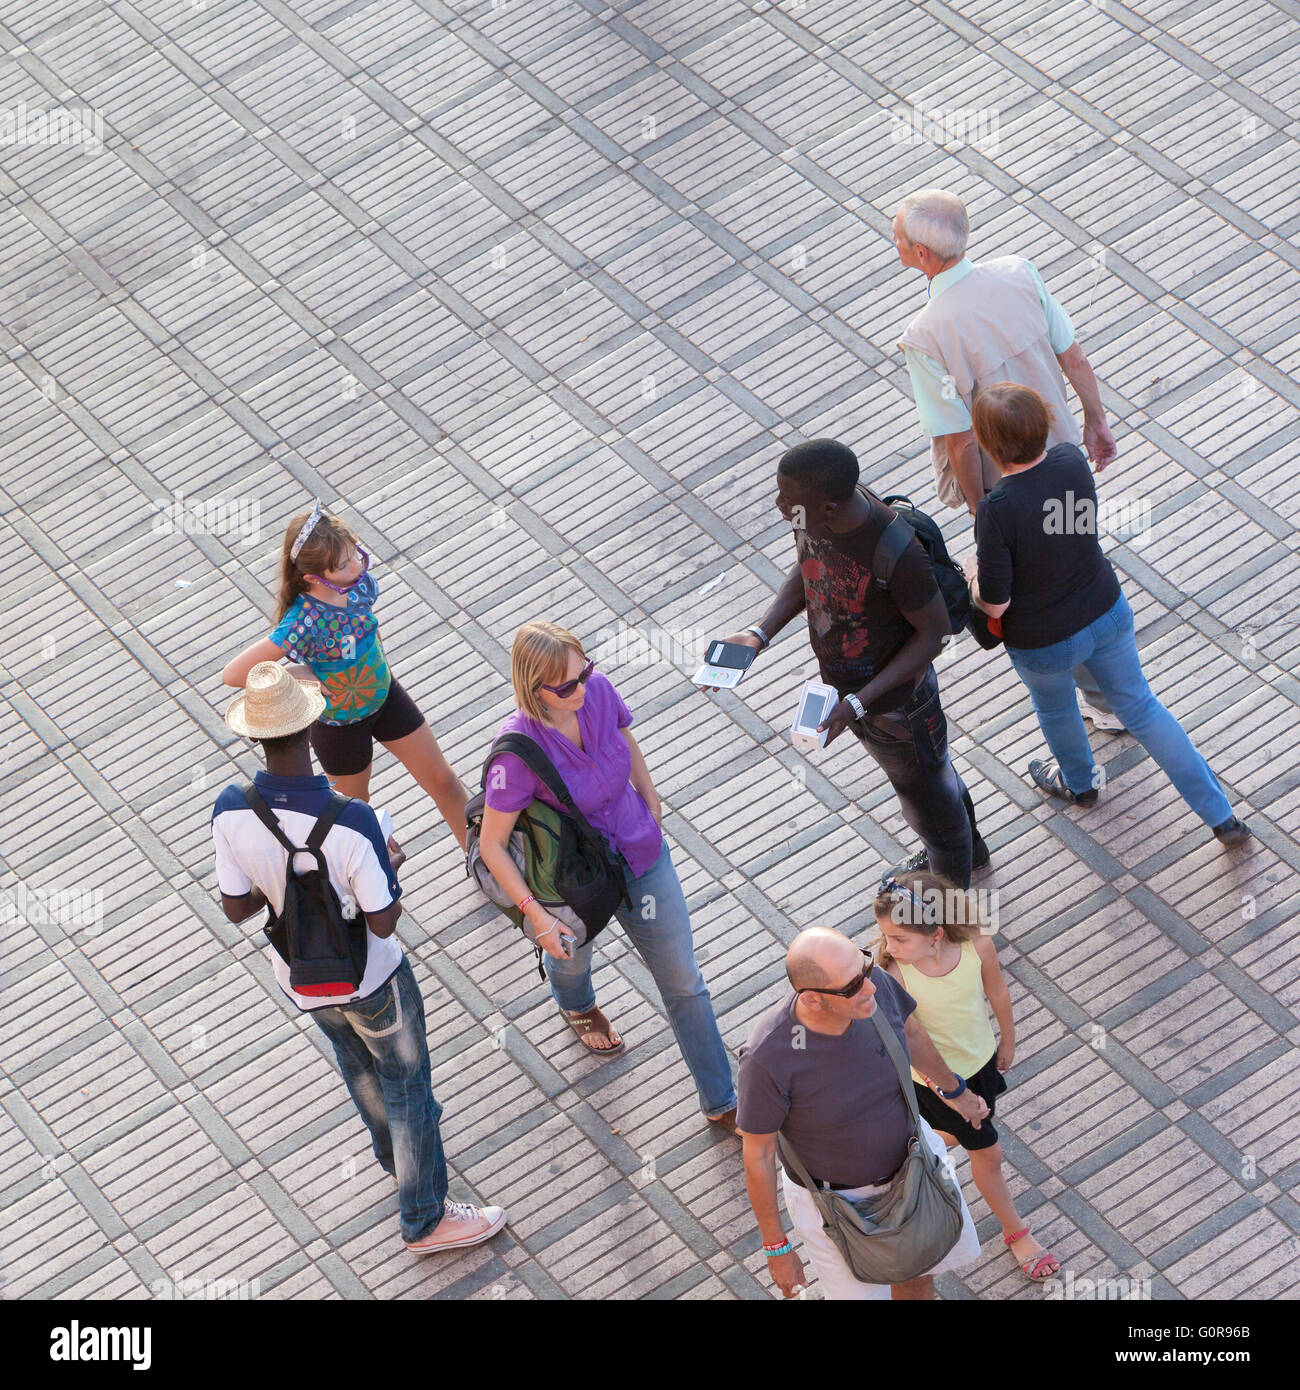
x=849 y=991
x=567 y=689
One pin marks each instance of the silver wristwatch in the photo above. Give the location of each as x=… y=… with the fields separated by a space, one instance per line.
x=856 y=705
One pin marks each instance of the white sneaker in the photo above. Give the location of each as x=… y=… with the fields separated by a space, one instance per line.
x=1106 y=721
x=461 y=1225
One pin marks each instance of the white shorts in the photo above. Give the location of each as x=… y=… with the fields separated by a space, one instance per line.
x=837 y=1279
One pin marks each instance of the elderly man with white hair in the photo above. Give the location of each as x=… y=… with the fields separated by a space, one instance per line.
x=985 y=322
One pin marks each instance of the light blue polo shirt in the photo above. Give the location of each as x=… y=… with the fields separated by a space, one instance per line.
x=949 y=414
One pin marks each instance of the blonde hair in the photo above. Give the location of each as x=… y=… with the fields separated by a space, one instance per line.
x=539 y=656
x=931 y=904
x=325 y=549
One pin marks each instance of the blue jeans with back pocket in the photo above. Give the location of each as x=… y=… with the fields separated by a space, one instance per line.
x=1108 y=648
x=382 y=1051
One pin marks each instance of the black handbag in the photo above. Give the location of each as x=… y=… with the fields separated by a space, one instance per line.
x=985 y=630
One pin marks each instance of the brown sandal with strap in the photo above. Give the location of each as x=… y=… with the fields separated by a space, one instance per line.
x=593 y=1021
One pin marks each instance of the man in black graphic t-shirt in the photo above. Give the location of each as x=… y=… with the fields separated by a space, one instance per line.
x=875 y=646
x=855 y=626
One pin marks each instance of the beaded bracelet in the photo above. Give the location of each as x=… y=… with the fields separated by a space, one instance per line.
x=773 y=1251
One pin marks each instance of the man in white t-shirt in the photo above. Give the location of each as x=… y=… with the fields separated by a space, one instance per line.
x=378 y=1032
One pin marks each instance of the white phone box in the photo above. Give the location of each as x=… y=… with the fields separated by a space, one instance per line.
x=815 y=704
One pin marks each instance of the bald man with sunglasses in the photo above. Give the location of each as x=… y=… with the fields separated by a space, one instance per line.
x=815 y=1071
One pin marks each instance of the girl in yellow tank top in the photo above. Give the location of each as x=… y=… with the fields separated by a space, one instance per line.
x=933 y=946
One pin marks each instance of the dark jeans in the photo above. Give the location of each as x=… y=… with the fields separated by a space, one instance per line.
x=384 y=1057
x=911 y=744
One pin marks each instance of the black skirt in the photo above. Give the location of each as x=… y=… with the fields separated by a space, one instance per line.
x=988 y=1083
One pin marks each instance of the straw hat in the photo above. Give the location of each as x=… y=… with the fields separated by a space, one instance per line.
x=274 y=703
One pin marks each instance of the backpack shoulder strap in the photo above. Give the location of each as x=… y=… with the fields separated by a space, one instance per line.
x=534 y=757
x=325 y=821
x=895 y=539
x=264 y=813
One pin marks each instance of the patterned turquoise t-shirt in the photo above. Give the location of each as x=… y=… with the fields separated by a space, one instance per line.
x=342 y=647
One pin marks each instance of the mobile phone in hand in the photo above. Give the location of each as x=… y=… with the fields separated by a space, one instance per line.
x=724 y=664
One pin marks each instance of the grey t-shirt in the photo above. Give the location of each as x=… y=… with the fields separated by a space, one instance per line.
x=836 y=1099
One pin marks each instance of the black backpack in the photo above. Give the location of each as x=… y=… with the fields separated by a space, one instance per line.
x=570 y=861
x=325 y=952
x=910 y=521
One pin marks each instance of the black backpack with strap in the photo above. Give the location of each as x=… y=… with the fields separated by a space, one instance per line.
x=325 y=952
x=909 y=521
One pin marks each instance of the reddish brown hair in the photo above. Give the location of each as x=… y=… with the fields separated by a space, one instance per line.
x=1011 y=423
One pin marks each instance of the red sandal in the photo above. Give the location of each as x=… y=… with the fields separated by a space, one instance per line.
x=1032 y=1265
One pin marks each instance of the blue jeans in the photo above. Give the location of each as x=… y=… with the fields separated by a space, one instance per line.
x=660 y=929
x=384 y=1057
x=1108 y=648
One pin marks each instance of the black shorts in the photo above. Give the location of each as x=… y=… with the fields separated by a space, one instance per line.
x=346 y=749
x=988 y=1083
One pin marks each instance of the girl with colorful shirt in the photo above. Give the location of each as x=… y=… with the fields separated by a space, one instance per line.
x=933 y=947
x=324 y=619
x=581 y=722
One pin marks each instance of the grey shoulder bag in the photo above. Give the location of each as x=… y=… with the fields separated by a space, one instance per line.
x=900 y=1233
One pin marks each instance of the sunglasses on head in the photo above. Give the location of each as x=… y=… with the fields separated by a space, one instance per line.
x=567 y=689
x=849 y=991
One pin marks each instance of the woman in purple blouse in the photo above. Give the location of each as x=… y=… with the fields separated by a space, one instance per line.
x=581 y=721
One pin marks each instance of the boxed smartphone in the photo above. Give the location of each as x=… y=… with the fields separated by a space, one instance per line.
x=815 y=704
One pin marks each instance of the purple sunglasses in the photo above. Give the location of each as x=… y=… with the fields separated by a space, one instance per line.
x=344 y=588
x=567 y=689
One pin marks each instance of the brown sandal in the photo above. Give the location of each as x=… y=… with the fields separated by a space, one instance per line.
x=593 y=1021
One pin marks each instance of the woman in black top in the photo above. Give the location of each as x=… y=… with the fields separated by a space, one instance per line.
x=1041 y=570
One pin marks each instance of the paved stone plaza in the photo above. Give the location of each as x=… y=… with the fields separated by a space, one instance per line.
x=535 y=292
